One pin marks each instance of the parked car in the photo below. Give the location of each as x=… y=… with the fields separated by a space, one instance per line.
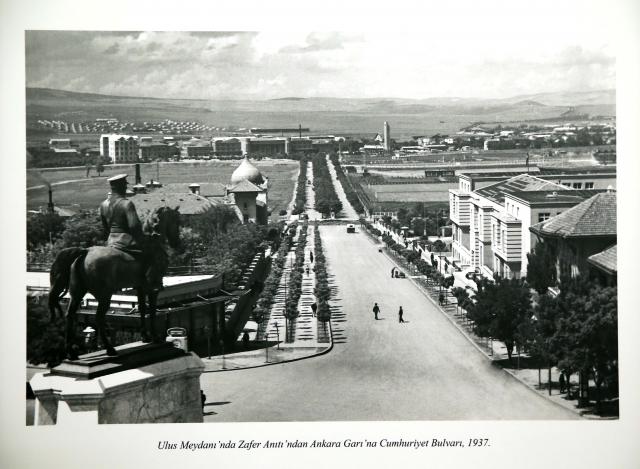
x=351 y=228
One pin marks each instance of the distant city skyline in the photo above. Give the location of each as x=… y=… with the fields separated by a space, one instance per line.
x=267 y=65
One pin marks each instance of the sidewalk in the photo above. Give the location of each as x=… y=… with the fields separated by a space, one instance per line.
x=347 y=211
x=309 y=209
x=309 y=339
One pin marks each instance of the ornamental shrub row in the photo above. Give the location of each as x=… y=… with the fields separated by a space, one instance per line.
x=301 y=191
x=322 y=290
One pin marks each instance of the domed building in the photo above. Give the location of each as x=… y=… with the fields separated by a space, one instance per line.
x=249 y=191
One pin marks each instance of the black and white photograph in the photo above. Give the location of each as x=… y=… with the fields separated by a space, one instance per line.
x=389 y=239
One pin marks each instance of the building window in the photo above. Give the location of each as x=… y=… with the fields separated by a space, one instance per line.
x=577 y=185
x=588 y=185
x=543 y=216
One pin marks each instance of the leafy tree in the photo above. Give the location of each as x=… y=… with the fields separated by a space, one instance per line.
x=403 y=216
x=541 y=268
x=43 y=228
x=83 y=230
x=500 y=310
x=586 y=339
x=45 y=338
x=418 y=226
x=460 y=294
x=439 y=246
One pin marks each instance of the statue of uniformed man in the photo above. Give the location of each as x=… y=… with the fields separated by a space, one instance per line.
x=120 y=219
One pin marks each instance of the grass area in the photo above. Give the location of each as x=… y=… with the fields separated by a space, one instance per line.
x=438 y=192
x=89 y=192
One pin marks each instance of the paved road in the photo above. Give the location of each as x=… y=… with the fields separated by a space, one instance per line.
x=378 y=370
x=347 y=209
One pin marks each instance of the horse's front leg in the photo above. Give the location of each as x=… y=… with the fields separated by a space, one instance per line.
x=101 y=312
x=153 y=300
x=142 y=309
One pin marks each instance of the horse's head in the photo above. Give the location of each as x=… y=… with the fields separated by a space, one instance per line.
x=165 y=222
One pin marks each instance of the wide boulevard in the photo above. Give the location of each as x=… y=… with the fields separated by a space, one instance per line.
x=377 y=370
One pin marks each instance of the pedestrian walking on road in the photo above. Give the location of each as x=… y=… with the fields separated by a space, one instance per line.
x=400 y=313
x=393 y=271
x=314 y=308
x=376 y=310
x=311 y=256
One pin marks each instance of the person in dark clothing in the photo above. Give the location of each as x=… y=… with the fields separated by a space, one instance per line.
x=311 y=256
x=400 y=313
x=393 y=270
x=245 y=340
x=203 y=399
x=376 y=310
x=314 y=308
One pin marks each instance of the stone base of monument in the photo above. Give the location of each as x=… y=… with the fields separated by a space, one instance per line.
x=144 y=383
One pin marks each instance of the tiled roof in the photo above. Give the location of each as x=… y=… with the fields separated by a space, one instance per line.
x=522 y=182
x=188 y=203
x=207 y=189
x=245 y=186
x=593 y=217
x=606 y=260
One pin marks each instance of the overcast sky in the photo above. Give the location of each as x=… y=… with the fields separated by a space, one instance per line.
x=456 y=59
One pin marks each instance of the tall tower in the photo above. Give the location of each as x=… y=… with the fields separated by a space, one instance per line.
x=387 y=137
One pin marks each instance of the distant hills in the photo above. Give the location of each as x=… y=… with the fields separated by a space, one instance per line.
x=337 y=115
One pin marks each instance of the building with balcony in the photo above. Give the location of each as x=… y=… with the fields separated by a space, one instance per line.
x=490 y=223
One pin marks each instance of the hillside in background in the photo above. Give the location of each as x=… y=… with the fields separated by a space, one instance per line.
x=332 y=115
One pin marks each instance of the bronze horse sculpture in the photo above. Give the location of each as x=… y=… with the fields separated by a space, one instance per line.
x=102 y=271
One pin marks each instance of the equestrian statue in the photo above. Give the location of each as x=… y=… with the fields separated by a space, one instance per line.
x=134 y=256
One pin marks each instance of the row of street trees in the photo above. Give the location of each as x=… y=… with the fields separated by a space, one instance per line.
x=272 y=282
x=294 y=286
x=322 y=290
x=346 y=184
x=301 y=191
x=327 y=200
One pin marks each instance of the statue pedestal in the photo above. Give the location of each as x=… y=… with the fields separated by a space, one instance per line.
x=145 y=383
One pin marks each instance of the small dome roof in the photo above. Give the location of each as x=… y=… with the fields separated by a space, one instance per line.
x=247 y=172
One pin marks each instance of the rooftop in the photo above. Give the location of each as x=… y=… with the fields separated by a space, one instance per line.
x=570 y=197
x=207 y=189
x=606 y=260
x=245 y=186
x=187 y=202
x=593 y=217
x=520 y=183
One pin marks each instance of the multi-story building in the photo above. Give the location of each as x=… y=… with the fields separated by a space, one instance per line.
x=226 y=146
x=267 y=145
x=120 y=148
x=490 y=223
x=149 y=152
x=299 y=145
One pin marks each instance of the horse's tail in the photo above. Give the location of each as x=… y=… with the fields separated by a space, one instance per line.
x=59 y=276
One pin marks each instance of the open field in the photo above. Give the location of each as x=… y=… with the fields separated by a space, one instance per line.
x=89 y=192
x=434 y=192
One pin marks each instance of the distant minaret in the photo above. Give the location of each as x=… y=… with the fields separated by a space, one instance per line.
x=387 y=137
